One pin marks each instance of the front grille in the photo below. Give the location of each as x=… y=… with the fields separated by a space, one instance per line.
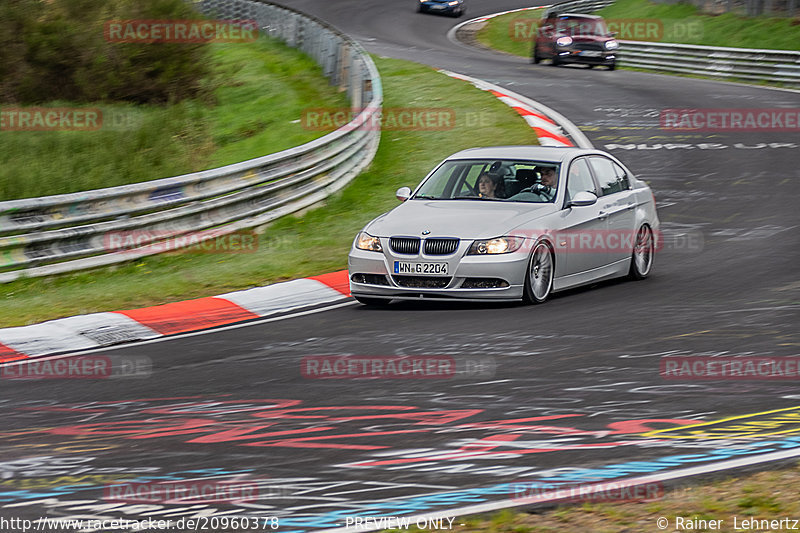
x=484 y=283
x=370 y=279
x=441 y=246
x=422 y=282
x=404 y=245
x=588 y=46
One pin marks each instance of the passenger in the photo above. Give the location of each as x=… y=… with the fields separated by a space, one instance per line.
x=490 y=186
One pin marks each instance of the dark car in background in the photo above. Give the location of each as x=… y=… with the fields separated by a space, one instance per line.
x=575 y=38
x=454 y=8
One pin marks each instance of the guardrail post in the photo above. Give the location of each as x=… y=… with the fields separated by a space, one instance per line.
x=344 y=66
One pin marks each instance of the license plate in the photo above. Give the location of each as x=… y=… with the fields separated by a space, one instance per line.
x=591 y=53
x=429 y=269
x=437 y=6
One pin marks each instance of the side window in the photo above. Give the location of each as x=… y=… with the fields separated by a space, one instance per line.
x=622 y=176
x=607 y=176
x=580 y=178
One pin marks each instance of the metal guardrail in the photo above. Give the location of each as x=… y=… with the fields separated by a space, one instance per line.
x=577 y=6
x=769 y=66
x=750 y=8
x=68 y=232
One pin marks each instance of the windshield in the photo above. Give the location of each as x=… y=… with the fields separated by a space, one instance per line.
x=581 y=27
x=492 y=180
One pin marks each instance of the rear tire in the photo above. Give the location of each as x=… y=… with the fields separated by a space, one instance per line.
x=372 y=302
x=539 y=276
x=642 y=255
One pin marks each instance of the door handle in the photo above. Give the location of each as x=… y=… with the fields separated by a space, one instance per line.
x=602 y=215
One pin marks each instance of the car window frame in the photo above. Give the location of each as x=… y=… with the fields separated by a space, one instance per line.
x=591 y=175
x=460 y=173
x=597 y=178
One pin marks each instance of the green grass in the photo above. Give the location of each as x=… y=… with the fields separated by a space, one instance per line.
x=291 y=247
x=511 y=33
x=676 y=23
x=684 y=24
x=769 y=495
x=260 y=91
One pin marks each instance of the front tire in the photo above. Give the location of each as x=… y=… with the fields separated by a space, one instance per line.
x=539 y=277
x=536 y=57
x=642 y=256
x=372 y=302
x=556 y=60
x=612 y=66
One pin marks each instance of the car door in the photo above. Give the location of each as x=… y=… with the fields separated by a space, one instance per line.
x=581 y=225
x=617 y=203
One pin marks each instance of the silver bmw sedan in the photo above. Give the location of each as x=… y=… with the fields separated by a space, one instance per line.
x=508 y=223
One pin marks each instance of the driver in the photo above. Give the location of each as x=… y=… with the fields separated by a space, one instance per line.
x=549 y=183
x=540 y=192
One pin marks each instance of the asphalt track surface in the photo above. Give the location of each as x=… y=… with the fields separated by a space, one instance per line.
x=564 y=392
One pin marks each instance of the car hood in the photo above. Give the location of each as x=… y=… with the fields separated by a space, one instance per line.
x=590 y=39
x=465 y=219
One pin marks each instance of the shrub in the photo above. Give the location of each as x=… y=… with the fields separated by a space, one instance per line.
x=56 y=50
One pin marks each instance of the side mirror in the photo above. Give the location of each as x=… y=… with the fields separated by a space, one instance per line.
x=583 y=198
x=403 y=193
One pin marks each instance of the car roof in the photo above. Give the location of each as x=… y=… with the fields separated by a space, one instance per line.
x=540 y=153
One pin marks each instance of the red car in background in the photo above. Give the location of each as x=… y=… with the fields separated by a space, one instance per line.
x=575 y=38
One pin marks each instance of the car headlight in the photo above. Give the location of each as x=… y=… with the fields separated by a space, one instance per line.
x=453 y=3
x=500 y=245
x=566 y=40
x=612 y=45
x=365 y=241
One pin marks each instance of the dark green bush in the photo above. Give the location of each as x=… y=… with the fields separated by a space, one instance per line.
x=57 y=50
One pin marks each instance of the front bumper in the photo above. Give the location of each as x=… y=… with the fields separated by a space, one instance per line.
x=579 y=56
x=461 y=269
